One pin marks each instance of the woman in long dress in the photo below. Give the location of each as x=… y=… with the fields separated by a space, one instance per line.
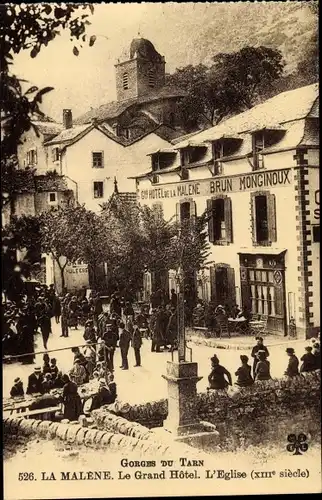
x=71 y=399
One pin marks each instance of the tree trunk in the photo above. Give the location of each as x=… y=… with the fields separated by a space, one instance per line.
x=62 y=276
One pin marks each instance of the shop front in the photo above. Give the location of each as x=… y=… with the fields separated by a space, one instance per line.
x=262 y=280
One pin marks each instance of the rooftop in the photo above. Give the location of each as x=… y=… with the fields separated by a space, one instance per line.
x=282 y=108
x=114 y=109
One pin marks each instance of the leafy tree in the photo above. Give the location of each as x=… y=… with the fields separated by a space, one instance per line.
x=27 y=27
x=31 y=27
x=189 y=249
x=21 y=237
x=125 y=266
x=60 y=230
x=231 y=84
x=247 y=72
x=94 y=242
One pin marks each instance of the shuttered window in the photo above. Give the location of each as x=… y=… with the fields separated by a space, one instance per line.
x=125 y=81
x=55 y=154
x=32 y=157
x=186 y=210
x=263 y=211
x=220 y=229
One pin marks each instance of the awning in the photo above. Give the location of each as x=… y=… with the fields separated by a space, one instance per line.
x=261 y=251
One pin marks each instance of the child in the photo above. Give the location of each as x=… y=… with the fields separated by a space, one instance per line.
x=53 y=368
x=46 y=366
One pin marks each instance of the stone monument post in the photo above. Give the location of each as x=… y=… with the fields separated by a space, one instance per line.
x=182 y=378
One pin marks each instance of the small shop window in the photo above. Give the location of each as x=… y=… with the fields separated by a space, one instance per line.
x=220 y=220
x=98 y=189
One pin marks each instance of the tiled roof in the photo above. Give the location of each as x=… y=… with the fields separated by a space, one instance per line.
x=285 y=114
x=183 y=137
x=114 y=109
x=48 y=128
x=68 y=135
x=285 y=107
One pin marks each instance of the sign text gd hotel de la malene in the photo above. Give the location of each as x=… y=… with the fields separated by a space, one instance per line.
x=220 y=185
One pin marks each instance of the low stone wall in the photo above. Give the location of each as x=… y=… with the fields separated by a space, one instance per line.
x=122 y=435
x=149 y=415
x=78 y=435
x=106 y=420
x=272 y=398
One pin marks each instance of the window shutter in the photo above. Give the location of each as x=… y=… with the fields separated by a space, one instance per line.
x=36 y=161
x=245 y=289
x=213 y=284
x=231 y=286
x=271 y=216
x=178 y=218
x=228 y=220
x=253 y=217
x=193 y=211
x=211 y=235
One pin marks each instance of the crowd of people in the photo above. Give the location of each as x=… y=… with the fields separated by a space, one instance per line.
x=118 y=327
x=246 y=375
x=43 y=382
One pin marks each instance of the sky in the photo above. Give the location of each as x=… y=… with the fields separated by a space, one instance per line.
x=89 y=80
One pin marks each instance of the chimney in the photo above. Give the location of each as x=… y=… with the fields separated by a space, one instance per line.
x=67 y=118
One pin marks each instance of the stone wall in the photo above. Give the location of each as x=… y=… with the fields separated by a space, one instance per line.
x=108 y=431
x=266 y=401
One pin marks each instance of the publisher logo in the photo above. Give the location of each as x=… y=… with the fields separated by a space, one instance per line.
x=297 y=444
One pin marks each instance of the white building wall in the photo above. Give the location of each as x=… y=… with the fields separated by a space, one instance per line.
x=119 y=161
x=30 y=141
x=165 y=192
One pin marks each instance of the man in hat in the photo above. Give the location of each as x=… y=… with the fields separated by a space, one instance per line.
x=243 y=373
x=64 y=318
x=124 y=344
x=89 y=333
x=292 y=369
x=136 y=344
x=217 y=375
x=110 y=339
x=308 y=360
x=258 y=347
x=103 y=396
x=262 y=367
x=35 y=382
x=78 y=374
x=317 y=354
x=17 y=388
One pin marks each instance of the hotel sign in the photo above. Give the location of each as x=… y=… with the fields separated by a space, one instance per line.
x=220 y=185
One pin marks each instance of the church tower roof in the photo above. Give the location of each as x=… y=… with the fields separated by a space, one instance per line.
x=143 y=48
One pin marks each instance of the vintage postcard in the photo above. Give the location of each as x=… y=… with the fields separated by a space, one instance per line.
x=160 y=249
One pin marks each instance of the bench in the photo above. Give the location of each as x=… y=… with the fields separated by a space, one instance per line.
x=42 y=411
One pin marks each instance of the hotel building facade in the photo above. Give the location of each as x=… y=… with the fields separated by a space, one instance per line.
x=257 y=175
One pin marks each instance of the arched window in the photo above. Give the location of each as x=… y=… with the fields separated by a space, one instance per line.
x=151 y=78
x=125 y=81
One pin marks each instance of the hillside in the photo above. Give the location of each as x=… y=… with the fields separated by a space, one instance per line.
x=228 y=27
